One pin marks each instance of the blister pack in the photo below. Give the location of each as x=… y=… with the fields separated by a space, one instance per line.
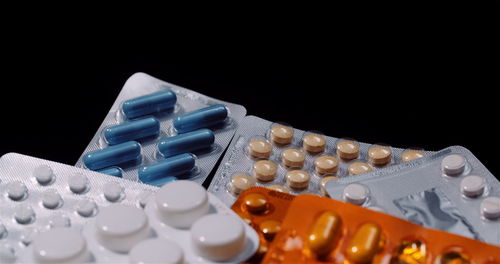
x=55 y=213
x=449 y=190
x=156 y=132
x=286 y=159
x=322 y=230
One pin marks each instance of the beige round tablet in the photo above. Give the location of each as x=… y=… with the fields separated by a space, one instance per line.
x=410 y=155
x=278 y=188
x=297 y=179
x=326 y=165
x=264 y=170
x=259 y=148
x=314 y=143
x=241 y=182
x=282 y=134
x=323 y=182
x=379 y=155
x=293 y=158
x=348 y=150
x=359 y=167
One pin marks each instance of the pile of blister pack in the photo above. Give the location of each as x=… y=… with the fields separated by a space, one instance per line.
x=279 y=195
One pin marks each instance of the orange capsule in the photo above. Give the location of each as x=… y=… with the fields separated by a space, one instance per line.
x=323 y=233
x=255 y=202
x=270 y=228
x=364 y=244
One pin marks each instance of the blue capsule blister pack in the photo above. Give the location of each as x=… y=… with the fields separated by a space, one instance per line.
x=157 y=132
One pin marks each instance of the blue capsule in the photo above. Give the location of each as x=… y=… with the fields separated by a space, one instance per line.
x=113 y=171
x=166 y=169
x=129 y=151
x=188 y=142
x=201 y=118
x=132 y=130
x=149 y=104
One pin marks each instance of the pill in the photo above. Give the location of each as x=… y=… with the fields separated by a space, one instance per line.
x=453 y=164
x=314 y=143
x=17 y=191
x=326 y=165
x=490 y=208
x=176 y=166
x=241 y=182
x=270 y=228
x=78 y=183
x=348 y=150
x=3 y=230
x=51 y=199
x=218 y=237
x=265 y=170
x=114 y=155
x=255 y=203
x=410 y=155
x=112 y=191
x=410 y=251
x=278 y=188
x=181 y=203
x=282 y=135
x=359 y=168
x=364 y=243
x=7 y=253
x=452 y=257
x=119 y=227
x=472 y=186
x=156 y=250
x=297 y=179
x=322 y=184
x=132 y=130
x=260 y=149
x=293 y=158
x=113 y=171
x=60 y=245
x=355 y=193
x=379 y=155
x=186 y=143
x=144 y=197
x=202 y=118
x=28 y=235
x=86 y=208
x=24 y=214
x=149 y=104
x=325 y=230
x=43 y=174
x=58 y=221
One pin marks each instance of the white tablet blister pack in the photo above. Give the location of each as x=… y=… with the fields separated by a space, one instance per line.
x=286 y=159
x=449 y=190
x=56 y=213
x=157 y=132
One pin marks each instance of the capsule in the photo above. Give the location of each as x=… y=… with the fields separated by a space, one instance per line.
x=166 y=169
x=113 y=171
x=188 y=142
x=112 y=156
x=132 y=130
x=324 y=231
x=201 y=118
x=410 y=252
x=364 y=243
x=149 y=104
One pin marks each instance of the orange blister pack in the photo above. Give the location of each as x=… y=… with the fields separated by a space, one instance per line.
x=264 y=210
x=322 y=230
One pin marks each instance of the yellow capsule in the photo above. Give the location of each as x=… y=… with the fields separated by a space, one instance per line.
x=323 y=233
x=452 y=257
x=364 y=244
x=410 y=252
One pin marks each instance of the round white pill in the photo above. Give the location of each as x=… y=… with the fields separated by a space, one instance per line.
x=112 y=191
x=472 y=186
x=43 y=174
x=24 y=214
x=28 y=235
x=157 y=250
x=218 y=237
x=86 y=208
x=355 y=193
x=3 y=230
x=60 y=245
x=7 y=253
x=78 y=183
x=181 y=203
x=490 y=208
x=51 y=199
x=17 y=190
x=120 y=227
x=453 y=164
x=144 y=198
x=59 y=221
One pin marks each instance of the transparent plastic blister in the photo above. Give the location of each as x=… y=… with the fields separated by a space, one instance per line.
x=277 y=156
x=140 y=147
x=449 y=190
x=103 y=219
